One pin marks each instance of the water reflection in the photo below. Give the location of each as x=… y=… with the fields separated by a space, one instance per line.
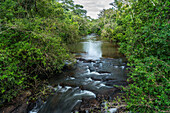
x=91 y=48
x=110 y=50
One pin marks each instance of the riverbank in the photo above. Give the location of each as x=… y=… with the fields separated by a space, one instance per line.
x=26 y=99
x=90 y=82
x=100 y=103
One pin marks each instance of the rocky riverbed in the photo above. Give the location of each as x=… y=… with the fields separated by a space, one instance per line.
x=92 y=84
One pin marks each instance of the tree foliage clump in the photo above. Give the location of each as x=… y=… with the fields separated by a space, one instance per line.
x=33 y=37
x=141 y=28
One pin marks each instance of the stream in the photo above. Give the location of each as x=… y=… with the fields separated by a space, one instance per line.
x=90 y=82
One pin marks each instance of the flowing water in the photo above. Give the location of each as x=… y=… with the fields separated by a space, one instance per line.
x=99 y=67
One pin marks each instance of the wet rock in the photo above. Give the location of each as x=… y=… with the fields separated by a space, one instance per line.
x=92 y=69
x=98 y=78
x=102 y=71
x=97 y=65
x=31 y=106
x=116 y=82
x=85 y=60
x=79 y=58
x=20 y=104
x=88 y=61
x=107 y=78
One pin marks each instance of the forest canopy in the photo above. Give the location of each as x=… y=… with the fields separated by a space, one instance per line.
x=33 y=39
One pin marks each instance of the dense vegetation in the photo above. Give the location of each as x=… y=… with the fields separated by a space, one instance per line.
x=33 y=34
x=141 y=27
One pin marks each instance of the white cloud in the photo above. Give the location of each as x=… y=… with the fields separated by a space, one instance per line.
x=93 y=7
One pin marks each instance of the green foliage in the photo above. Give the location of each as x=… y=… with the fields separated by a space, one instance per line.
x=25 y=53
x=150 y=90
x=77 y=9
x=142 y=30
x=33 y=37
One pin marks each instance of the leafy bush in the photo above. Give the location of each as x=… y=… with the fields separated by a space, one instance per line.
x=142 y=30
x=33 y=41
x=25 y=54
x=150 y=89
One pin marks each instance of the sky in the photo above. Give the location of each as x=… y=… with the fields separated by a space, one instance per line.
x=94 y=7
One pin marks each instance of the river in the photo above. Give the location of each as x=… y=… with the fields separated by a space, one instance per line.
x=86 y=86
